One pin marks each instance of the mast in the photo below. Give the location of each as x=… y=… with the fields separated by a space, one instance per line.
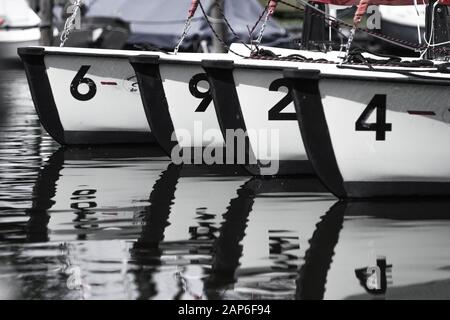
x=46 y=14
x=314 y=27
x=219 y=26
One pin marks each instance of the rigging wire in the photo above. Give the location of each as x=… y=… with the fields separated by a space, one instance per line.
x=339 y=22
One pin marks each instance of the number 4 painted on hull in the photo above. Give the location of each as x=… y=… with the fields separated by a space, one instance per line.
x=378 y=103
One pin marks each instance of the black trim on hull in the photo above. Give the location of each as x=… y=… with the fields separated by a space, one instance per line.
x=44 y=191
x=229 y=114
x=314 y=129
x=225 y=97
x=41 y=92
x=226 y=102
x=154 y=100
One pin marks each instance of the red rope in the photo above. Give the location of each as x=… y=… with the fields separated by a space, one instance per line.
x=272 y=7
x=193 y=9
x=360 y=12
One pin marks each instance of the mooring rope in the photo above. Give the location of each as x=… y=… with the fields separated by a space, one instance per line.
x=269 y=13
x=187 y=25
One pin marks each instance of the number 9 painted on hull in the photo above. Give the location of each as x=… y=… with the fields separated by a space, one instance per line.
x=205 y=96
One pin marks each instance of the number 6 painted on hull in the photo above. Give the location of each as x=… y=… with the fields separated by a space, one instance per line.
x=378 y=102
x=80 y=79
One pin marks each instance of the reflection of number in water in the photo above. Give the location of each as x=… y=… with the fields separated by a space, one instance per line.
x=375 y=279
x=280 y=247
x=82 y=198
x=205 y=229
x=83 y=204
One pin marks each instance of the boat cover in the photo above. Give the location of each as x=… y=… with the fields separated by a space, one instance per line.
x=160 y=22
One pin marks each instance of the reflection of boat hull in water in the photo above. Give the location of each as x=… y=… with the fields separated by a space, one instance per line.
x=257 y=251
x=376 y=134
x=9 y=43
x=19 y=27
x=407 y=238
x=111 y=187
x=86 y=192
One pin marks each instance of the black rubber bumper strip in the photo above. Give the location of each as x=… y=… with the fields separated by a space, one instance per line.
x=154 y=100
x=314 y=128
x=226 y=101
x=41 y=92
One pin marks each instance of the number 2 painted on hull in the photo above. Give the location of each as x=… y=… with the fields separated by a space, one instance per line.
x=276 y=114
x=80 y=79
x=378 y=102
x=205 y=96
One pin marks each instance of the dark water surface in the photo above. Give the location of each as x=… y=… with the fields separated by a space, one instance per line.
x=123 y=223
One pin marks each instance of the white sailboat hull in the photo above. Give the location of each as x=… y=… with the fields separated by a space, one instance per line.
x=414 y=150
x=116 y=105
x=11 y=40
x=86 y=96
x=252 y=95
x=376 y=135
x=187 y=112
x=19 y=27
x=91 y=96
